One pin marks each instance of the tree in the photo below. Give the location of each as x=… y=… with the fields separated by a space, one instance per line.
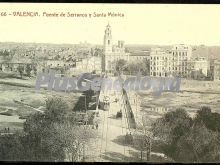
x=56 y=109
x=132 y=68
x=56 y=133
x=119 y=65
x=49 y=136
x=210 y=119
x=199 y=145
x=143 y=67
x=28 y=70
x=172 y=125
x=189 y=140
x=20 y=70
x=11 y=148
x=35 y=70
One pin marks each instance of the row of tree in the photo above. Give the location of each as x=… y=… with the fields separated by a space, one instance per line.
x=26 y=69
x=132 y=68
x=187 y=139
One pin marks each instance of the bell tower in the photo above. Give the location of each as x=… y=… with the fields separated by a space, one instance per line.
x=108 y=40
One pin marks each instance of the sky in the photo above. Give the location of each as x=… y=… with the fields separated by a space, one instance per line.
x=162 y=24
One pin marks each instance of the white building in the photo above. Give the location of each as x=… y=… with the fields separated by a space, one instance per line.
x=181 y=57
x=201 y=64
x=215 y=69
x=90 y=64
x=171 y=61
x=161 y=63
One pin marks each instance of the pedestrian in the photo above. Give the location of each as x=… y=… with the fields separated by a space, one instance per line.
x=132 y=115
x=97 y=125
x=127 y=138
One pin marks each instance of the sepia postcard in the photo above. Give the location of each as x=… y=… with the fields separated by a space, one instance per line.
x=109 y=83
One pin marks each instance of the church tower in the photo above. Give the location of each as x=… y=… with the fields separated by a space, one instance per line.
x=108 y=40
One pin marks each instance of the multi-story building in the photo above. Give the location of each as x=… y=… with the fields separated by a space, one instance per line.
x=160 y=62
x=215 y=70
x=91 y=64
x=201 y=64
x=140 y=56
x=112 y=53
x=171 y=61
x=181 y=57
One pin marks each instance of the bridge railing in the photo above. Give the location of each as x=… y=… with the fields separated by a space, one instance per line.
x=129 y=110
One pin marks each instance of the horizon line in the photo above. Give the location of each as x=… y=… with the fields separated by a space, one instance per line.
x=136 y=44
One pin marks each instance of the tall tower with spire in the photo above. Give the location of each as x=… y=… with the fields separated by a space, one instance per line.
x=112 y=53
x=108 y=40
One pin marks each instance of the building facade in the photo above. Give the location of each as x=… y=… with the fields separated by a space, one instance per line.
x=181 y=57
x=161 y=64
x=11 y=66
x=202 y=65
x=170 y=61
x=92 y=64
x=215 y=70
x=140 y=56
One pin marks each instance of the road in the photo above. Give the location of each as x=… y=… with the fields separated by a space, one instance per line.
x=111 y=147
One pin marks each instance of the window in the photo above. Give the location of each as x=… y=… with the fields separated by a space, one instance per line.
x=108 y=42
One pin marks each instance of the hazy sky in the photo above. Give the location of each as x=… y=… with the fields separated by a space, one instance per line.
x=142 y=24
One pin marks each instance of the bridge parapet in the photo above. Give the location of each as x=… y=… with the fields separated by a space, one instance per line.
x=134 y=102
